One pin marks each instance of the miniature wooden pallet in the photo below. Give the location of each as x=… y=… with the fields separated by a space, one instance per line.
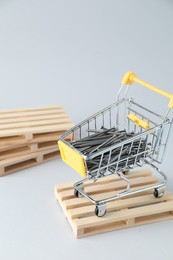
x=32 y=125
x=36 y=138
x=25 y=161
x=142 y=208
x=18 y=150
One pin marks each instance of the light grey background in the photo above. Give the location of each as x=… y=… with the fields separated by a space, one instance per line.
x=74 y=53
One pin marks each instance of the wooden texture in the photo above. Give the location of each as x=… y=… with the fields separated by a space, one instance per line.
x=142 y=208
x=11 y=165
x=29 y=136
x=32 y=125
x=22 y=149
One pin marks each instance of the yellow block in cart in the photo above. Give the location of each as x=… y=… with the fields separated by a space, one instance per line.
x=72 y=158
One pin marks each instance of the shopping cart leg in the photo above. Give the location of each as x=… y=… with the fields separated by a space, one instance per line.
x=77 y=192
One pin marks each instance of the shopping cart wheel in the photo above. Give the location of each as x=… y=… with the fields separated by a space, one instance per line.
x=158 y=193
x=100 y=210
x=77 y=194
x=125 y=172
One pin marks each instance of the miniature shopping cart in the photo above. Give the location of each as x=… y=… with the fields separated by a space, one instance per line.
x=117 y=139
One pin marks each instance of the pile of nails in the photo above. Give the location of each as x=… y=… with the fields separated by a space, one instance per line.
x=103 y=139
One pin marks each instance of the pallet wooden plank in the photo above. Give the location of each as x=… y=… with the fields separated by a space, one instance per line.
x=132 y=174
x=20 y=125
x=31 y=125
x=117 y=185
x=14 y=110
x=32 y=118
x=35 y=129
x=125 y=214
x=27 y=115
x=118 y=205
x=29 y=136
x=73 y=203
x=10 y=161
x=19 y=150
x=25 y=161
x=137 y=209
x=81 y=233
x=114 y=186
x=8 y=141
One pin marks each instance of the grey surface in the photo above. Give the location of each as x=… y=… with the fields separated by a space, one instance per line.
x=74 y=53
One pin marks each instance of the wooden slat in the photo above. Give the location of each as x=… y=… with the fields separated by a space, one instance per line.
x=25 y=161
x=30 y=109
x=29 y=114
x=39 y=123
x=29 y=136
x=124 y=214
x=119 y=205
x=114 y=186
x=19 y=150
x=8 y=142
x=133 y=210
x=57 y=115
x=73 y=203
x=35 y=129
x=132 y=174
x=20 y=126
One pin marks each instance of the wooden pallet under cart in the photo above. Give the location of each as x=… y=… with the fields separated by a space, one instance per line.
x=142 y=208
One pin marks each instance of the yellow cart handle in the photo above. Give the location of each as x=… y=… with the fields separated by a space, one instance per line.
x=130 y=77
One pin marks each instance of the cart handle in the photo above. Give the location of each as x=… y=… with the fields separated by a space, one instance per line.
x=130 y=77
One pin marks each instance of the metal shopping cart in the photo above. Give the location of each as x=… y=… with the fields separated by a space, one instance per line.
x=117 y=139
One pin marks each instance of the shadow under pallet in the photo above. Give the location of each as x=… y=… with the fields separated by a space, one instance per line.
x=138 y=209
